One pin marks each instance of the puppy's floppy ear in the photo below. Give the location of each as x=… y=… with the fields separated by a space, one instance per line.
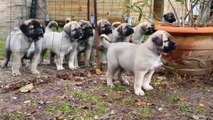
x=144 y=27
x=157 y=41
x=24 y=28
x=67 y=29
x=120 y=30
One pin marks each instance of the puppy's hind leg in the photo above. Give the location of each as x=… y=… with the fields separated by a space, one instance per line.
x=120 y=78
x=139 y=76
x=6 y=58
x=147 y=80
x=109 y=74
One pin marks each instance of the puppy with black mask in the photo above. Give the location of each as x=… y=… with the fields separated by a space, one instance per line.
x=169 y=17
x=141 y=59
x=140 y=31
x=18 y=43
x=62 y=43
x=86 y=42
x=120 y=34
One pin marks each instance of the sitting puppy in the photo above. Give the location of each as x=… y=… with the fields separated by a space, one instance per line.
x=61 y=43
x=86 y=42
x=169 y=17
x=18 y=43
x=141 y=59
x=140 y=31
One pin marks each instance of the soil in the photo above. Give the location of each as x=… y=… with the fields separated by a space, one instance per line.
x=83 y=94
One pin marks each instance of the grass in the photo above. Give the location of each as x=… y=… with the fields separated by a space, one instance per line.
x=88 y=106
x=174 y=97
x=14 y=116
x=2 y=47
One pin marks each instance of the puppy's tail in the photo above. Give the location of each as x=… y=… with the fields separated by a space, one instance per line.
x=105 y=41
x=51 y=24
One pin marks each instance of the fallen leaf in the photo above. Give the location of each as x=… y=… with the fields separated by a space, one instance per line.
x=98 y=71
x=201 y=105
x=118 y=95
x=27 y=101
x=26 y=88
x=138 y=102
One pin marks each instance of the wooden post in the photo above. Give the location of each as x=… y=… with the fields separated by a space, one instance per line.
x=96 y=35
x=88 y=10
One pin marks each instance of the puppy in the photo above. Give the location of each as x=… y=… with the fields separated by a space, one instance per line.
x=140 y=31
x=104 y=27
x=86 y=42
x=120 y=34
x=61 y=43
x=169 y=17
x=141 y=59
x=18 y=43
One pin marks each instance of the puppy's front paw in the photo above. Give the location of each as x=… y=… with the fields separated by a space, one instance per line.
x=104 y=62
x=14 y=74
x=147 y=87
x=60 y=68
x=110 y=85
x=139 y=92
x=35 y=72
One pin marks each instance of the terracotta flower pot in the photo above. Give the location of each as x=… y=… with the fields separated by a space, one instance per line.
x=194 y=54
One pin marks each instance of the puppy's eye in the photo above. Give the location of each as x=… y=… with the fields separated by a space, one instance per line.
x=31 y=26
x=166 y=41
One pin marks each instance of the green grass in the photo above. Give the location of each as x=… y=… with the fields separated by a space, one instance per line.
x=2 y=48
x=13 y=116
x=88 y=106
x=174 y=97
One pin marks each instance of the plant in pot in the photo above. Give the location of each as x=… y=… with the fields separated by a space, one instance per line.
x=193 y=32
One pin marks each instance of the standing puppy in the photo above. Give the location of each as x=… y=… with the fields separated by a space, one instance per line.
x=140 y=31
x=86 y=42
x=19 y=41
x=120 y=34
x=104 y=27
x=61 y=43
x=141 y=59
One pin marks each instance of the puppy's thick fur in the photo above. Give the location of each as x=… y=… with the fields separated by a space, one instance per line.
x=61 y=43
x=140 y=31
x=18 y=43
x=141 y=59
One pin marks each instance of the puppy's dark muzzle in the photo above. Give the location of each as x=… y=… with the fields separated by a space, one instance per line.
x=79 y=34
x=106 y=29
x=129 y=31
x=150 y=30
x=171 y=47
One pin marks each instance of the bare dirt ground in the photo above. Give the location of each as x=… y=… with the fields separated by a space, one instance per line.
x=83 y=94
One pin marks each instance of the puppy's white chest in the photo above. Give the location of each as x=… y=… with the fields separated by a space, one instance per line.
x=157 y=63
